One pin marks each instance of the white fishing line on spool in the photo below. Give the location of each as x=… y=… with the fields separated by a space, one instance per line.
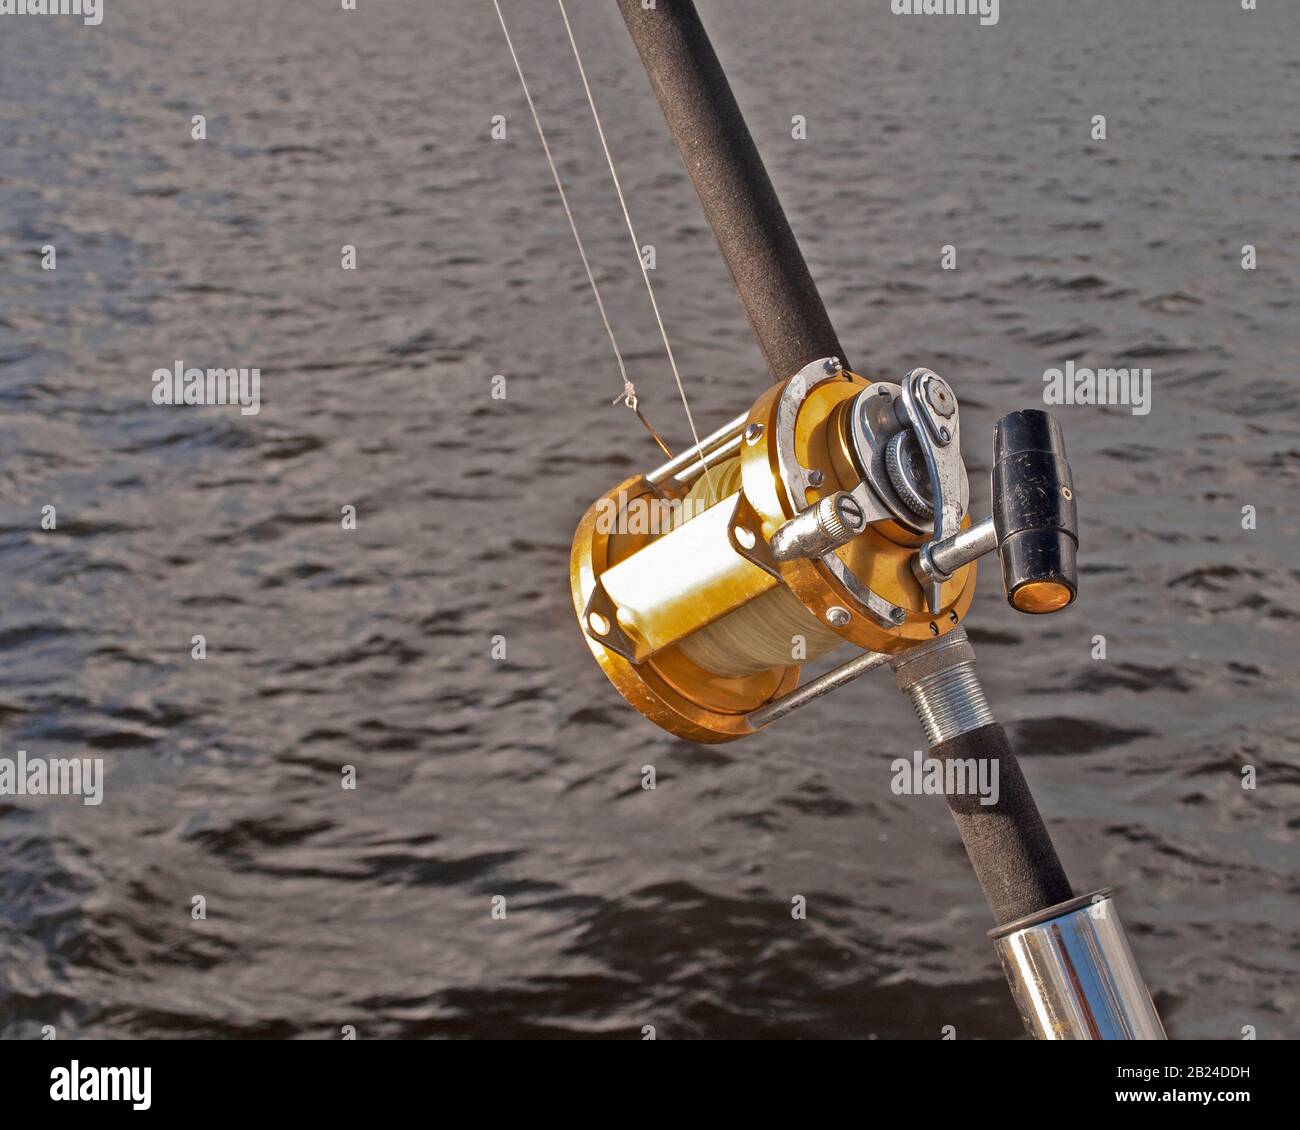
x=760 y=635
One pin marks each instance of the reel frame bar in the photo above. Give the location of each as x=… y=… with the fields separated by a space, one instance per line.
x=687 y=466
x=811 y=691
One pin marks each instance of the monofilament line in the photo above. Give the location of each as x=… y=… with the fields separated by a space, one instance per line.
x=636 y=243
x=564 y=199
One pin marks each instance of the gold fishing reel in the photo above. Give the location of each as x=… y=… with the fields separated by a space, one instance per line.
x=800 y=526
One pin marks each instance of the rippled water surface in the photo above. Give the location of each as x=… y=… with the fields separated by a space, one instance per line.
x=373 y=648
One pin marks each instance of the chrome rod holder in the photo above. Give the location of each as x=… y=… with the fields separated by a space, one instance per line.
x=1073 y=976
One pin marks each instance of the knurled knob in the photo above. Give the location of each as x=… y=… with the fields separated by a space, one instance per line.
x=906 y=469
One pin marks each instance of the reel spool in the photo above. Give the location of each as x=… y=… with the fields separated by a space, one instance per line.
x=834 y=512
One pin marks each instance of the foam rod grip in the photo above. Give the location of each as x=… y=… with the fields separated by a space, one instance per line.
x=1007 y=842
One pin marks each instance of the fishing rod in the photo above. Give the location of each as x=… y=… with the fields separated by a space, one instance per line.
x=835 y=511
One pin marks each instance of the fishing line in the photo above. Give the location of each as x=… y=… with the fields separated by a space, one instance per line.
x=636 y=243
x=628 y=396
x=759 y=635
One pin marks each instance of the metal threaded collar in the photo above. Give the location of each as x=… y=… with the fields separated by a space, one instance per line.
x=940 y=679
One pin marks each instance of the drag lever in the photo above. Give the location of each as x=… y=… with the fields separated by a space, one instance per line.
x=1035 y=523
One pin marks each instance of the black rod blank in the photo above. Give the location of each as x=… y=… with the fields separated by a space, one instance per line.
x=767 y=267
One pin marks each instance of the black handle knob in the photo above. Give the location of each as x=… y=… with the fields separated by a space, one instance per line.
x=1034 y=512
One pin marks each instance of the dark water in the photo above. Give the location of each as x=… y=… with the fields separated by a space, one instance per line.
x=372 y=647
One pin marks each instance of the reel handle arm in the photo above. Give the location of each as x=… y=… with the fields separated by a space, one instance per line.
x=1035 y=521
